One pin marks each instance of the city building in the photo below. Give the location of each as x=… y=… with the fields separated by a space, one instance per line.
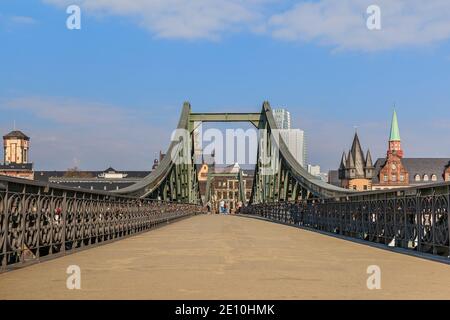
x=16 y=163
x=356 y=170
x=295 y=142
x=225 y=186
x=393 y=171
x=282 y=118
x=294 y=139
x=315 y=171
x=197 y=137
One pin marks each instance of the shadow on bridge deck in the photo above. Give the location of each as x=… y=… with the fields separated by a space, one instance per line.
x=228 y=257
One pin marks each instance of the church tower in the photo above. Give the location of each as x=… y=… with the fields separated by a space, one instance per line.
x=356 y=170
x=395 y=146
x=393 y=172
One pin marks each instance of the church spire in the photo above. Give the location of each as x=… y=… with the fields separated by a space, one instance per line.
x=395 y=132
x=369 y=163
x=343 y=161
x=395 y=146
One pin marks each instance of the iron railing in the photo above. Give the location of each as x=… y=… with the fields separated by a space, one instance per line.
x=414 y=218
x=39 y=221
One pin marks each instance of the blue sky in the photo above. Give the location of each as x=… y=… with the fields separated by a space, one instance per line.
x=111 y=93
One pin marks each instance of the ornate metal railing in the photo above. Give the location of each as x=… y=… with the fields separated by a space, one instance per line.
x=38 y=221
x=414 y=218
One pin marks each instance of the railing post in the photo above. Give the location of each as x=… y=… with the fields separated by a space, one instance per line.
x=52 y=220
x=63 y=222
x=5 y=229
x=385 y=204
x=38 y=219
x=433 y=220
x=405 y=223
x=448 y=220
x=419 y=223
x=22 y=214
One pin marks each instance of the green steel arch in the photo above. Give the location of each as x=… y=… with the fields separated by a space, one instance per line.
x=175 y=178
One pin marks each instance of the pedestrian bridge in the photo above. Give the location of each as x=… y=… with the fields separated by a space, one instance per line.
x=230 y=257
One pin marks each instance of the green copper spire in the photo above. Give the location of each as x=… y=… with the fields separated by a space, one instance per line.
x=395 y=132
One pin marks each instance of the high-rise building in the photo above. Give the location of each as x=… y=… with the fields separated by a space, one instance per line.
x=198 y=148
x=294 y=138
x=295 y=141
x=282 y=118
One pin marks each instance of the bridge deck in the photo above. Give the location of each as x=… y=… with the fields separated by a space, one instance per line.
x=227 y=257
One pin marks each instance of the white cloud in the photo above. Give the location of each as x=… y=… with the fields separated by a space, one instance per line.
x=22 y=20
x=9 y=22
x=67 y=111
x=337 y=23
x=342 y=24
x=187 y=19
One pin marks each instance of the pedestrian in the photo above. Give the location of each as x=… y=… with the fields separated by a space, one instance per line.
x=222 y=206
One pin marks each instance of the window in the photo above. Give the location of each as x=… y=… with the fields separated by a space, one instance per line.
x=417 y=177
x=365 y=187
x=434 y=177
x=448 y=176
x=425 y=177
x=402 y=178
x=394 y=178
x=385 y=178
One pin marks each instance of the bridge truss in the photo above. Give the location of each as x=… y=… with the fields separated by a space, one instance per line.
x=415 y=218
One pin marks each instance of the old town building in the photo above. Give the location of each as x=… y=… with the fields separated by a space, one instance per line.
x=393 y=171
x=396 y=171
x=356 y=170
x=225 y=186
x=15 y=157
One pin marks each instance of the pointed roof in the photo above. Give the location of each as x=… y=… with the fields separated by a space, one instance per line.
x=369 y=163
x=350 y=161
x=395 y=132
x=343 y=161
x=357 y=153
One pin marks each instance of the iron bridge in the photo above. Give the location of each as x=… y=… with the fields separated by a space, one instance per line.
x=40 y=221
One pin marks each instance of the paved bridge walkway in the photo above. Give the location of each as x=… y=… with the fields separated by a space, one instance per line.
x=229 y=257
